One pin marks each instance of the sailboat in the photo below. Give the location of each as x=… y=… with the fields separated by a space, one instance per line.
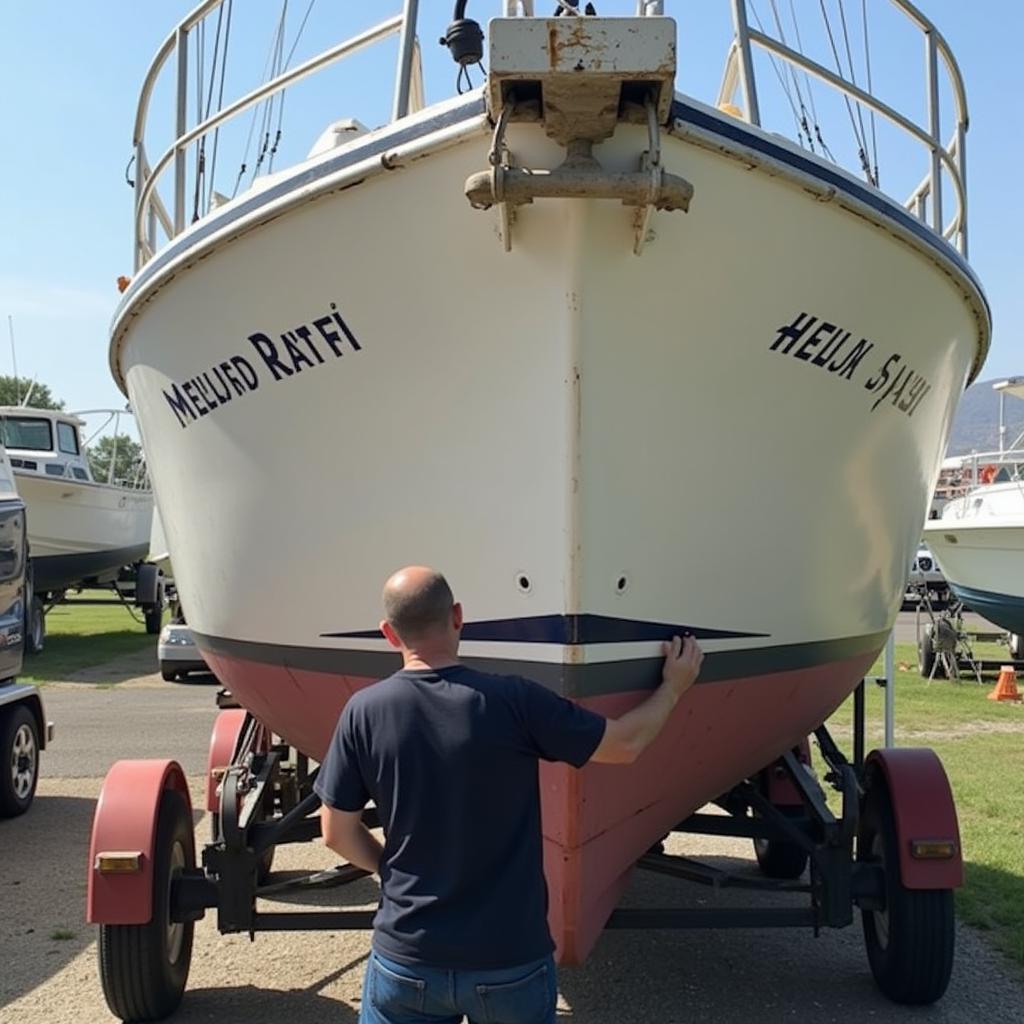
x=514 y=334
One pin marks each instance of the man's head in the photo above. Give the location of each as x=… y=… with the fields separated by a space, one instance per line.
x=421 y=612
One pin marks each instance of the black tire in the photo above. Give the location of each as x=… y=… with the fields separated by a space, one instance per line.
x=779 y=859
x=168 y=674
x=35 y=619
x=19 y=760
x=927 y=658
x=910 y=943
x=154 y=615
x=144 y=967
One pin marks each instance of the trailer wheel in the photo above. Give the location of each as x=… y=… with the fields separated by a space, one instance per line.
x=910 y=942
x=19 y=760
x=780 y=859
x=927 y=658
x=35 y=619
x=154 y=615
x=144 y=967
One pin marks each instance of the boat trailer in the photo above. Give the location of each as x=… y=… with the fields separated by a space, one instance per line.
x=890 y=849
x=946 y=644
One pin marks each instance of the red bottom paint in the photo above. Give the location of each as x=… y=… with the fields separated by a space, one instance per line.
x=598 y=820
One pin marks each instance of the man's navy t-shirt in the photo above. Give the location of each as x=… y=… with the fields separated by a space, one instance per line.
x=449 y=757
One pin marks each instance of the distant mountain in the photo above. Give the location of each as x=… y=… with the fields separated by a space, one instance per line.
x=976 y=424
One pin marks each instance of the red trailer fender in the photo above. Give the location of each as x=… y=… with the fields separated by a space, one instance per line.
x=924 y=814
x=227 y=728
x=123 y=838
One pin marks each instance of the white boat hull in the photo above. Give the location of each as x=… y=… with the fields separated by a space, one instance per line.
x=567 y=412
x=979 y=543
x=599 y=450
x=80 y=530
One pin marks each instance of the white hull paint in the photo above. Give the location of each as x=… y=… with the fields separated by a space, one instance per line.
x=69 y=518
x=979 y=543
x=564 y=429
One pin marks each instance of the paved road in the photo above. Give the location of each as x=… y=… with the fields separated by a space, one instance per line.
x=49 y=974
x=149 y=718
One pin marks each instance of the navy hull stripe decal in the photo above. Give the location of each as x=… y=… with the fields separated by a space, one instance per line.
x=570 y=680
x=570 y=630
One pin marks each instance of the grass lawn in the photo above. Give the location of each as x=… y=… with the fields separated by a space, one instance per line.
x=981 y=743
x=82 y=636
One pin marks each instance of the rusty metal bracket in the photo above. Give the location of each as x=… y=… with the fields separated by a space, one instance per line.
x=579 y=176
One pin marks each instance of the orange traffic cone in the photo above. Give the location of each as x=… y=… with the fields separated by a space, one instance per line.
x=1006 y=687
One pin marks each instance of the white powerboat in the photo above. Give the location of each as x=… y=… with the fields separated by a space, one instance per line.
x=979 y=539
x=80 y=529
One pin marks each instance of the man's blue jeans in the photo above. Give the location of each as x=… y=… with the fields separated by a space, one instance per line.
x=396 y=993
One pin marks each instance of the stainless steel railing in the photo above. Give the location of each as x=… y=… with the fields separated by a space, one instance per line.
x=149 y=208
x=951 y=156
x=926 y=201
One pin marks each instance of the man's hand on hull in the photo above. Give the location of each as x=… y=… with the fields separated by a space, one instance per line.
x=683 y=658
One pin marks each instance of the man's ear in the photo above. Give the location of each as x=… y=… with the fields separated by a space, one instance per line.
x=457 y=615
x=389 y=634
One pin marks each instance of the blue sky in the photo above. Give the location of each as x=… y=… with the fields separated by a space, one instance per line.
x=70 y=73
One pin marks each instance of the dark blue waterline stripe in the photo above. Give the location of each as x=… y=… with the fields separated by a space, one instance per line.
x=1004 y=610
x=572 y=680
x=736 y=132
x=571 y=630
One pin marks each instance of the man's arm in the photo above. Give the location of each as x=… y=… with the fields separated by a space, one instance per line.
x=626 y=738
x=345 y=834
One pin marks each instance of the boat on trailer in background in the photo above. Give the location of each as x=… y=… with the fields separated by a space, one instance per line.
x=82 y=531
x=546 y=389
x=979 y=542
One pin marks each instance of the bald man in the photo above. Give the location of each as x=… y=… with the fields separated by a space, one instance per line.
x=449 y=756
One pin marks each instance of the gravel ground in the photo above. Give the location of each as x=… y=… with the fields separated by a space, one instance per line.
x=49 y=971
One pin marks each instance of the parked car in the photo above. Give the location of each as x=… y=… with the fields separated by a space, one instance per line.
x=24 y=730
x=177 y=652
x=925 y=575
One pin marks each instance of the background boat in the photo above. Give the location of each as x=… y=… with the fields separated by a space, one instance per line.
x=979 y=538
x=80 y=529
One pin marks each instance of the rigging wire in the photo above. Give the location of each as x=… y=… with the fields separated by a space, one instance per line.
x=252 y=123
x=865 y=163
x=204 y=113
x=867 y=61
x=846 y=99
x=287 y=62
x=779 y=75
x=212 y=176
x=810 y=89
x=792 y=74
x=268 y=110
x=200 y=61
